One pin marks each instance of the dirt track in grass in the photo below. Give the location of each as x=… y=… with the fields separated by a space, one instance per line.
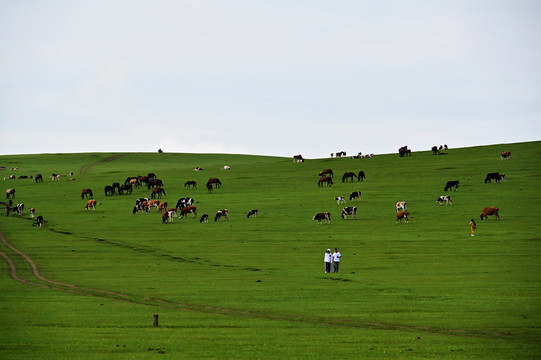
x=41 y=281
x=86 y=168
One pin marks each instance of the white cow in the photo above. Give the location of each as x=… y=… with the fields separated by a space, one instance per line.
x=401 y=206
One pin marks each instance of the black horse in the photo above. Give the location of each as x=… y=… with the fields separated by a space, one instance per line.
x=349 y=175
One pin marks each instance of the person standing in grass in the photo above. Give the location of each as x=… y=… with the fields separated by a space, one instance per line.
x=336 y=260
x=328 y=261
x=473 y=226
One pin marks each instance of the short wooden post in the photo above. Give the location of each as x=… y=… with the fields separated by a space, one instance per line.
x=155 y=320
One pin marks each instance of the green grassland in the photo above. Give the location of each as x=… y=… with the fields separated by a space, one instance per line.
x=256 y=288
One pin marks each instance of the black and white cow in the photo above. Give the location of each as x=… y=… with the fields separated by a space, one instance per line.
x=444 y=199
x=325 y=216
x=204 y=218
x=253 y=213
x=356 y=195
x=340 y=200
x=184 y=202
x=39 y=221
x=350 y=210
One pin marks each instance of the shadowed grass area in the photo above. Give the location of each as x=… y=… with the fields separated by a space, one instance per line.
x=256 y=288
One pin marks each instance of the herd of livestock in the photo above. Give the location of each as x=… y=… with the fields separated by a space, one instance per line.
x=186 y=205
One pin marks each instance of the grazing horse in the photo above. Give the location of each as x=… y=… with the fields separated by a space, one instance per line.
x=188 y=210
x=404 y=151
x=192 y=184
x=451 y=184
x=209 y=187
x=325 y=216
x=157 y=191
x=109 y=190
x=125 y=187
x=435 y=150
x=327 y=172
x=324 y=179
x=490 y=211
x=152 y=183
x=10 y=192
x=38 y=178
x=87 y=193
x=402 y=215
x=91 y=203
x=361 y=176
x=348 y=175
x=214 y=181
x=168 y=215
x=221 y=213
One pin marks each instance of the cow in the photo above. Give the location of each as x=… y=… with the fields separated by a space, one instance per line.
x=204 y=218
x=38 y=178
x=324 y=179
x=39 y=221
x=220 y=214
x=350 y=210
x=506 y=155
x=401 y=206
x=140 y=205
x=91 y=204
x=188 y=210
x=340 y=154
x=325 y=216
x=109 y=190
x=356 y=195
x=10 y=192
x=153 y=203
x=165 y=217
x=168 y=215
x=198 y=169
x=492 y=176
x=183 y=202
x=402 y=215
x=163 y=206
x=87 y=193
x=32 y=212
x=451 y=184
x=157 y=191
x=226 y=167
x=326 y=172
x=444 y=199
x=490 y=211
x=19 y=208
x=340 y=200
x=298 y=158
x=435 y=150
x=252 y=213
x=502 y=177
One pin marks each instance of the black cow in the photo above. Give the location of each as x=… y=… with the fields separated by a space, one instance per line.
x=39 y=221
x=350 y=210
x=492 y=176
x=451 y=184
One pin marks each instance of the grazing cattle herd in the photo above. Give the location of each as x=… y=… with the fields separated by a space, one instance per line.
x=185 y=205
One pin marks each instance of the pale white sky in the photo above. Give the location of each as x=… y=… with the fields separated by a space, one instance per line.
x=267 y=77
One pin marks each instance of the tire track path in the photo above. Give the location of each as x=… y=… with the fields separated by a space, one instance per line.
x=86 y=168
x=46 y=283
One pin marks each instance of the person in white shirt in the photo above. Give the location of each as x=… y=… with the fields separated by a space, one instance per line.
x=336 y=260
x=328 y=261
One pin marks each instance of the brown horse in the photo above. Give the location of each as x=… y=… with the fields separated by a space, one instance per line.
x=214 y=181
x=87 y=193
x=157 y=191
x=324 y=179
x=38 y=178
x=326 y=172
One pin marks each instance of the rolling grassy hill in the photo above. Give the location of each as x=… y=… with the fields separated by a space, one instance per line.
x=89 y=282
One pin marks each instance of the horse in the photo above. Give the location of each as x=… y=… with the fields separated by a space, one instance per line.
x=209 y=187
x=127 y=188
x=157 y=191
x=192 y=184
x=38 y=178
x=109 y=190
x=152 y=183
x=324 y=179
x=87 y=193
x=10 y=192
x=326 y=172
x=348 y=175
x=361 y=176
x=214 y=181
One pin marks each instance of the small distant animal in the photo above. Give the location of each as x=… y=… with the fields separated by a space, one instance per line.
x=32 y=212
x=356 y=195
x=361 y=175
x=38 y=221
x=444 y=199
x=298 y=158
x=10 y=192
x=252 y=213
x=157 y=191
x=190 y=184
x=326 y=172
x=451 y=184
x=340 y=200
x=401 y=206
x=188 y=210
x=350 y=210
x=506 y=155
x=402 y=215
x=349 y=176
x=324 y=216
x=87 y=193
x=204 y=218
x=324 y=180
x=198 y=169
x=38 y=178
x=221 y=213
x=490 y=211
x=226 y=167
x=91 y=204
x=494 y=176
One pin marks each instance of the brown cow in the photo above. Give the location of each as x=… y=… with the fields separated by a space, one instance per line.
x=490 y=211
x=91 y=203
x=325 y=216
x=188 y=210
x=402 y=215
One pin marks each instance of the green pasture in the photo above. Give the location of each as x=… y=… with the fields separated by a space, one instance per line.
x=256 y=288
